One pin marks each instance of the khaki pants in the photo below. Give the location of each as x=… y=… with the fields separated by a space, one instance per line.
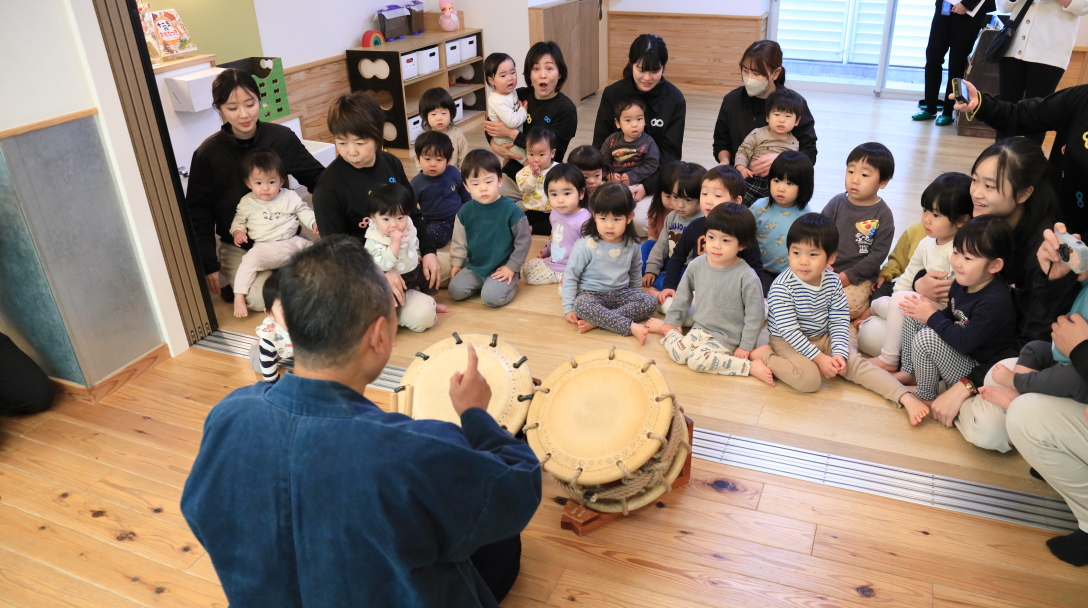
x=804 y=375
x=857 y=297
x=982 y=423
x=1051 y=433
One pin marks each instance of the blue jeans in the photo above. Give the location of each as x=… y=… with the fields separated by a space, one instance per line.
x=659 y=283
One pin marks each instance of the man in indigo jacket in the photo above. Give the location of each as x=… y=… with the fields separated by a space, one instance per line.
x=304 y=493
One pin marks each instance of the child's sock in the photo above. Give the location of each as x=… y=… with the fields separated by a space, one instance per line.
x=1072 y=548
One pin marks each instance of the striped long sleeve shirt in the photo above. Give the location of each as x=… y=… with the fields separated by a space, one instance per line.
x=799 y=311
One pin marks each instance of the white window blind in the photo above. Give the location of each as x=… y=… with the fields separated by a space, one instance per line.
x=850 y=31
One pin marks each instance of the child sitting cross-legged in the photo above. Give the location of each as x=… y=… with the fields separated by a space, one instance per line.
x=784 y=108
x=601 y=285
x=491 y=237
x=392 y=241
x=728 y=302
x=438 y=187
x=567 y=195
x=809 y=321
x=791 y=185
x=632 y=153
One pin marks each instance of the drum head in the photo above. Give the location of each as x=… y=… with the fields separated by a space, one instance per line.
x=430 y=379
x=597 y=413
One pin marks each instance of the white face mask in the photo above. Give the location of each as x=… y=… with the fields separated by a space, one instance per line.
x=753 y=86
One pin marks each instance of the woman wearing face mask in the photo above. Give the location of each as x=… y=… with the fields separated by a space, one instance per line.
x=743 y=108
x=666 y=109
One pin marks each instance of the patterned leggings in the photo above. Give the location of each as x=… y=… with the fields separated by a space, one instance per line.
x=615 y=310
x=702 y=352
x=537 y=272
x=930 y=359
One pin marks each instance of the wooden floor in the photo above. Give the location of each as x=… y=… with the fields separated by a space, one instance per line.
x=89 y=518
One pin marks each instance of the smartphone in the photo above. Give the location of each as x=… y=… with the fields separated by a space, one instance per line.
x=959 y=90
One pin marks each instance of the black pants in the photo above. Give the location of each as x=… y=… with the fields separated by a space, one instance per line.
x=539 y=222
x=955 y=35
x=24 y=387
x=499 y=564
x=1025 y=80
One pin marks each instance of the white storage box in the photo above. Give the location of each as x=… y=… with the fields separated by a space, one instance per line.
x=460 y=103
x=453 y=52
x=192 y=92
x=428 y=60
x=409 y=65
x=468 y=48
x=415 y=128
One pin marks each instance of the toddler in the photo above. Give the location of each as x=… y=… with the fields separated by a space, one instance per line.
x=728 y=302
x=540 y=156
x=784 y=108
x=809 y=321
x=439 y=111
x=566 y=190
x=593 y=165
x=864 y=221
x=660 y=205
x=392 y=241
x=491 y=236
x=268 y=217
x=632 y=153
x=946 y=205
x=791 y=185
x=685 y=208
x=979 y=322
x=502 y=100
x=438 y=187
x=273 y=342
x=601 y=283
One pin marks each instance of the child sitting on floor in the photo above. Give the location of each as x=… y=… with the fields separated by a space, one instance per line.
x=684 y=197
x=946 y=205
x=601 y=285
x=809 y=322
x=392 y=241
x=784 y=108
x=979 y=322
x=593 y=165
x=728 y=301
x=632 y=153
x=864 y=221
x=439 y=111
x=791 y=189
x=491 y=236
x=268 y=217
x=567 y=195
x=273 y=342
x=539 y=159
x=438 y=187
x=660 y=205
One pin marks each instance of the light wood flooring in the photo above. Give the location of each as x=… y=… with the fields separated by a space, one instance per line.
x=90 y=518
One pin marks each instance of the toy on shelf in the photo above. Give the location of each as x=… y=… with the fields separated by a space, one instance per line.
x=394 y=21
x=415 y=7
x=151 y=39
x=268 y=73
x=448 y=21
x=170 y=36
x=372 y=38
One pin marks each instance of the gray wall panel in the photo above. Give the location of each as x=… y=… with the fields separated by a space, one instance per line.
x=73 y=208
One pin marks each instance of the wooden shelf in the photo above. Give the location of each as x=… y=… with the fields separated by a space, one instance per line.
x=184 y=62
x=422 y=41
x=460 y=90
x=464 y=63
x=423 y=77
x=469 y=115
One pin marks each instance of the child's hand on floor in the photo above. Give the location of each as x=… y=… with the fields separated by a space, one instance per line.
x=503 y=274
x=665 y=294
x=572 y=318
x=844 y=279
x=917 y=308
x=239 y=238
x=648 y=279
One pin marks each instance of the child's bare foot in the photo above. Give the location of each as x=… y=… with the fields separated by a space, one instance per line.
x=584 y=326
x=441 y=308
x=759 y=353
x=759 y=369
x=640 y=331
x=904 y=378
x=650 y=290
x=917 y=409
x=999 y=395
x=1002 y=375
x=891 y=369
x=655 y=325
x=240 y=308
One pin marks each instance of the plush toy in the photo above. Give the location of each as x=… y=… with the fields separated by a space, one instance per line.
x=448 y=21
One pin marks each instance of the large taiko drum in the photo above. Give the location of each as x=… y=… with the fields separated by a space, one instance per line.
x=425 y=388
x=607 y=428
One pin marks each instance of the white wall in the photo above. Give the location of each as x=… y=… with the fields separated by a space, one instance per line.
x=1082 y=33
x=694 y=7
x=505 y=24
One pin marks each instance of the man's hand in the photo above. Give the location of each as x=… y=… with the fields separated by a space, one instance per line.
x=469 y=389
x=1068 y=332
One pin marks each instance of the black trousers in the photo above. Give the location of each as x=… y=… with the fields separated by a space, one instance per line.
x=499 y=564
x=1025 y=80
x=24 y=387
x=955 y=35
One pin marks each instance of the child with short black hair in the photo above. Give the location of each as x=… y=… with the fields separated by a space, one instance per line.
x=491 y=237
x=593 y=164
x=685 y=209
x=865 y=222
x=791 y=185
x=809 y=320
x=268 y=218
x=539 y=158
x=438 y=187
x=501 y=75
x=784 y=109
x=438 y=111
x=631 y=151
x=566 y=190
x=273 y=342
x=728 y=301
x=601 y=283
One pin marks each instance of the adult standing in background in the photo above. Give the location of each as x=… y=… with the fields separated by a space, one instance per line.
x=955 y=26
x=744 y=108
x=216 y=182
x=1036 y=60
x=666 y=108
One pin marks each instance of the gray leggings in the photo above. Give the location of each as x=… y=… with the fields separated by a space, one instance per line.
x=494 y=293
x=1054 y=379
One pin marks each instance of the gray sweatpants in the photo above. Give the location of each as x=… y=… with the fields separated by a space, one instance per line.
x=1054 y=379
x=494 y=293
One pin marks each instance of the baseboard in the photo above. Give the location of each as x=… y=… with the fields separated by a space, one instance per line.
x=116 y=380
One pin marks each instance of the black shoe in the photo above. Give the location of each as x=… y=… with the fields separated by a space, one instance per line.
x=227 y=293
x=1035 y=474
x=1071 y=549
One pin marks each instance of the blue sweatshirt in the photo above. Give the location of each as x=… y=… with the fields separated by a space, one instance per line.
x=440 y=197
